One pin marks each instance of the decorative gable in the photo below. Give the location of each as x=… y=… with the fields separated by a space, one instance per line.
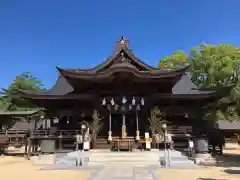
x=123 y=54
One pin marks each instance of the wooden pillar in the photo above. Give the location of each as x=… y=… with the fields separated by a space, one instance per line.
x=137 y=127
x=110 y=126
x=124 y=133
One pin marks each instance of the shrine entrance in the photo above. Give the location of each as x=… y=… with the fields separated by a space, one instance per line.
x=130 y=121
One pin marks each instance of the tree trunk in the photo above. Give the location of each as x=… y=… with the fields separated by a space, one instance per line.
x=93 y=142
x=153 y=141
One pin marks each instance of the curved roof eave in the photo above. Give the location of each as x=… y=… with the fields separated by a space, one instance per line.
x=61 y=88
x=58 y=97
x=124 y=67
x=109 y=60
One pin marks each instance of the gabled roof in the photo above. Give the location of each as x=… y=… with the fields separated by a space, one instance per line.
x=122 y=46
x=123 y=61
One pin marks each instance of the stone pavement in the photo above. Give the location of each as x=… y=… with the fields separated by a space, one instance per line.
x=116 y=165
x=125 y=173
x=112 y=172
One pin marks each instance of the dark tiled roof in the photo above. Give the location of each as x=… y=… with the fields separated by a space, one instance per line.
x=186 y=86
x=61 y=88
x=17 y=113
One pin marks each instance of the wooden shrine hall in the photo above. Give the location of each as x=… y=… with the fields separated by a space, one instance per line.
x=123 y=89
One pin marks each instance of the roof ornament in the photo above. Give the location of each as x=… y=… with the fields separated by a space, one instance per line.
x=123 y=56
x=121 y=43
x=122 y=40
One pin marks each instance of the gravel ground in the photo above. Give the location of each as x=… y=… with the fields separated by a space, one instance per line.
x=13 y=167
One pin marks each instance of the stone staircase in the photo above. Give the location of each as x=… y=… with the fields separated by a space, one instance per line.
x=97 y=158
x=135 y=158
x=123 y=158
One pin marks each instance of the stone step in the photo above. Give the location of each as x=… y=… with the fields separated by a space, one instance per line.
x=43 y=159
x=107 y=157
x=121 y=164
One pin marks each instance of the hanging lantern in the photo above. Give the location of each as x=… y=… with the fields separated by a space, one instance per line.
x=133 y=101
x=124 y=100
x=104 y=102
x=112 y=102
x=142 y=102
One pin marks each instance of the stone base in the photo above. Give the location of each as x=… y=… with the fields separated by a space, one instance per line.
x=203 y=159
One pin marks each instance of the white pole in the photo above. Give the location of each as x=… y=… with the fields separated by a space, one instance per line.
x=137 y=131
x=110 y=127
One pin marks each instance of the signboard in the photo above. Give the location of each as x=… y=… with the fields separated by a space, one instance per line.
x=86 y=145
x=147 y=140
x=146 y=134
x=79 y=138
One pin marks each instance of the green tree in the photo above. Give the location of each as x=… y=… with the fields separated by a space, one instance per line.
x=216 y=67
x=10 y=99
x=213 y=67
x=177 y=58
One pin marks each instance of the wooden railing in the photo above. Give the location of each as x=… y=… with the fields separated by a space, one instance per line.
x=16 y=137
x=55 y=133
x=180 y=130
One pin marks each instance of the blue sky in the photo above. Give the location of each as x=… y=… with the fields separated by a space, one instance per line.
x=39 y=35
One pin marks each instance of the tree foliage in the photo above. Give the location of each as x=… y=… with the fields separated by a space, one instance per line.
x=213 y=67
x=96 y=123
x=177 y=58
x=10 y=99
x=156 y=119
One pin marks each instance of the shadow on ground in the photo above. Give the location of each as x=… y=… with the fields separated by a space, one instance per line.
x=228 y=160
x=210 y=179
x=232 y=171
